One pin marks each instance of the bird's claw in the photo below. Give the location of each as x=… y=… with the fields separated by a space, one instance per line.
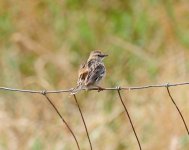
x=100 y=89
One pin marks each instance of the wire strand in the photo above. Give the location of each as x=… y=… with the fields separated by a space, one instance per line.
x=177 y=108
x=45 y=92
x=63 y=120
x=127 y=113
x=83 y=121
x=104 y=89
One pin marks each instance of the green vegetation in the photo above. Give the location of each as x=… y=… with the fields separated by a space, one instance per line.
x=42 y=44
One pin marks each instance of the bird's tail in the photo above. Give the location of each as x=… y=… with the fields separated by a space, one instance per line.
x=77 y=89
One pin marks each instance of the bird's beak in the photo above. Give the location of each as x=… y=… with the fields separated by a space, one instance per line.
x=103 y=55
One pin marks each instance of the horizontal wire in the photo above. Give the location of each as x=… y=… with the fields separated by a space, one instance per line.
x=104 y=89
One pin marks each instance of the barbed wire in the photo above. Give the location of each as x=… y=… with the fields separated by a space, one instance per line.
x=118 y=89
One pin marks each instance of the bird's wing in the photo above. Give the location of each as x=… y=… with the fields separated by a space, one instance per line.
x=83 y=72
x=95 y=74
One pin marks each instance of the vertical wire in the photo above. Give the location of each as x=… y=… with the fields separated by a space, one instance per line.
x=83 y=121
x=177 y=109
x=127 y=113
x=63 y=120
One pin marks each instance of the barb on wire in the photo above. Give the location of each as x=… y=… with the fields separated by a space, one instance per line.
x=63 y=120
x=114 y=88
x=127 y=113
x=169 y=93
x=83 y=121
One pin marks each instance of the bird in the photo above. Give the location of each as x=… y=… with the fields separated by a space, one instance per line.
x=91 y=72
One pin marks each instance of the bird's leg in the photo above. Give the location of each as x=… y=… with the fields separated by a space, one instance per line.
x=99 y=88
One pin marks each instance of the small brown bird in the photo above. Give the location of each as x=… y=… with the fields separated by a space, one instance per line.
x=91 y=72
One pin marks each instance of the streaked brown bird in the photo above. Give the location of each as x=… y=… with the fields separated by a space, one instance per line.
x=92 y=72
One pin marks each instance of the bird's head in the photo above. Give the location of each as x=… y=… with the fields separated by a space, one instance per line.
x=97 y=55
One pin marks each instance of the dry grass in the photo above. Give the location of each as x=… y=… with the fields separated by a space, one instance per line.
x=42 y=43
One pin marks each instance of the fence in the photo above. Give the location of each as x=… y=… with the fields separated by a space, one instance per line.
x=118 y=89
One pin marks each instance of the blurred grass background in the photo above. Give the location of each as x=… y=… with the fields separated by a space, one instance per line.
x=43 y=42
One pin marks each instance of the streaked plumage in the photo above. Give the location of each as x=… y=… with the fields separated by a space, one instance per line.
x=92 y=72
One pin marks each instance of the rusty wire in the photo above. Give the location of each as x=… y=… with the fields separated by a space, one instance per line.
x=63 y=120
x=114 y=88
x=127 y=113
x=118 y=89
x=177 y=108
x=75 y=98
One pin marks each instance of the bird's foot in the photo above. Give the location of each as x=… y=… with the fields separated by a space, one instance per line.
x=100 y=89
